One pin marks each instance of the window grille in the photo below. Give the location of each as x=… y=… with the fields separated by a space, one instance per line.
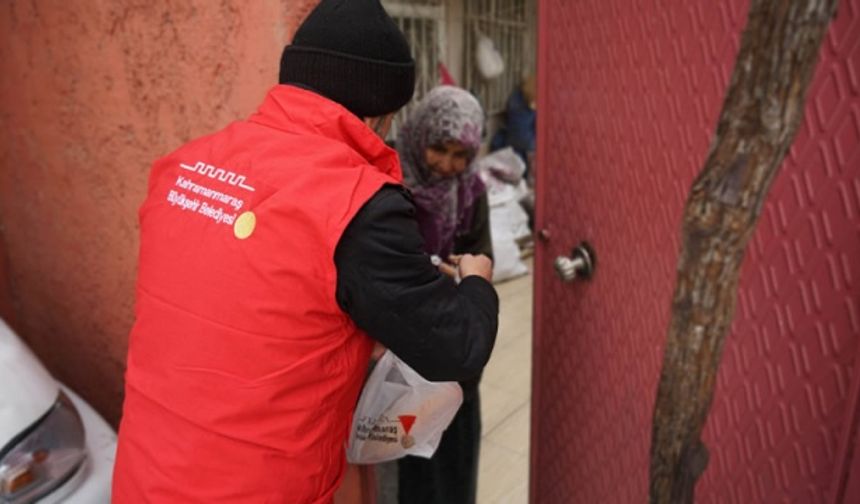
x=423 y=24
x=505 y=22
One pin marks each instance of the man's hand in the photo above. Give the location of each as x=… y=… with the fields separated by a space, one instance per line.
x=378 y=350
x=479 y=265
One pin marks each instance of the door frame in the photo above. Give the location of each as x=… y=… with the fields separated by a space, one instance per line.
x=543 y=235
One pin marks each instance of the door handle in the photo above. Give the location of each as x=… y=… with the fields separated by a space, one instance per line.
x=580 y=264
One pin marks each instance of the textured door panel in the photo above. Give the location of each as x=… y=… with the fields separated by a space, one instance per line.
x=629 y=100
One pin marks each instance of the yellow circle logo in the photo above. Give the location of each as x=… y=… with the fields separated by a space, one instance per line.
x=244 y=226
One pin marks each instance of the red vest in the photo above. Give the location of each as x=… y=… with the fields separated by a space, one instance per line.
x=243 y=372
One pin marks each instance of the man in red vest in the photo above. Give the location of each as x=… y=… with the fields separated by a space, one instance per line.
x=273 y=253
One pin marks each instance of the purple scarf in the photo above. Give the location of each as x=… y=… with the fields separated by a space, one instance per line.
x=445 y=205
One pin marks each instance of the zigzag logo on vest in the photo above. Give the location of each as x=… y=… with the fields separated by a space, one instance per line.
x=218 y=174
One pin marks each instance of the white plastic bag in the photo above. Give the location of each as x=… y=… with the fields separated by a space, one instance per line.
x=400 y=413
x=508 y=223
x=507 y=263
x=502 y=173
x=490 y=62
x=503 y=164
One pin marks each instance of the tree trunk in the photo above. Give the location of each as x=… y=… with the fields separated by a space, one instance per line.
x=761 y=113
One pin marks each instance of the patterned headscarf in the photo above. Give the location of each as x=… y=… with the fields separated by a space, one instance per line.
x=444 y=204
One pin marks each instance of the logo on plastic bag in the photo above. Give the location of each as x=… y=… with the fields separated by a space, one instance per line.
x=407 y=421
x=385 y=430
x=386 y=422
x=380 y=429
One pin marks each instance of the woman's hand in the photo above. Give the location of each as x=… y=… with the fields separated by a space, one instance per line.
x=445 y=268
x=469 y=265
x=448 y=269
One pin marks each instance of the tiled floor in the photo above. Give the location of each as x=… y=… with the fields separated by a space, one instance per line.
x=505 y=400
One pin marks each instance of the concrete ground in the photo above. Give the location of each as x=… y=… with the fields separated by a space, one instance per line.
x=505 y=400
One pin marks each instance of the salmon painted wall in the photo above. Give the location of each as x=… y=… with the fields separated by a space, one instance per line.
x=90 y=93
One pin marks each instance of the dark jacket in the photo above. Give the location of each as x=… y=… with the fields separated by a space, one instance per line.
x=391 y=290
x=519 y=129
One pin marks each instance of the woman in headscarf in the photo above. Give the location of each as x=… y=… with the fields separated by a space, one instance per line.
x=437 y=145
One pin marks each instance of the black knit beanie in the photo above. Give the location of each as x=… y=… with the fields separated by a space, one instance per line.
x=353 y=53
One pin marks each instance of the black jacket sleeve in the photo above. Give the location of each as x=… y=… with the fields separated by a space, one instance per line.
x=390 y=289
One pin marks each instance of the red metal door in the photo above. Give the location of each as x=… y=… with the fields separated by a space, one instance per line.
x=629 y=97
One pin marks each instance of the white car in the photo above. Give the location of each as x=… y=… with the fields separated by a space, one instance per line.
x=54 y=447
